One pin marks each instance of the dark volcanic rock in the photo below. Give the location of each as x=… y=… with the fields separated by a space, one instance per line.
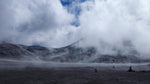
x=117 y=59
x=39 y=50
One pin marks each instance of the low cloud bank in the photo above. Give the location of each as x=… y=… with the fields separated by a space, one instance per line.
x=110 y=26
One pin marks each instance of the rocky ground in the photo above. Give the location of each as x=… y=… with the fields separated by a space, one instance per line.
x=50 y=73
x=72 y=76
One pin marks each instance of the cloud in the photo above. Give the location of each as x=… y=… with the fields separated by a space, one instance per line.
x=111 y=26
x=34 y=21
x=108 y=24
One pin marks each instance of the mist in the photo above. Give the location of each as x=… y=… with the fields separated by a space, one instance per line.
x=116 y=25
x=109 y=26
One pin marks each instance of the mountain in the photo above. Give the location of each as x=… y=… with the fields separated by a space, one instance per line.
x=37 y=50
x=69 y=53
x=8 y=50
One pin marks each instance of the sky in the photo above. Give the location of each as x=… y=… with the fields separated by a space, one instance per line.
x=108 y=25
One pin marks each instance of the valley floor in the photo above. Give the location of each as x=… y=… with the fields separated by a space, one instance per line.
x=73 y=75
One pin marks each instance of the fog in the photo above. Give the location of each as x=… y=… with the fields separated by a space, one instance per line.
x=38 y=64
x=111 y=26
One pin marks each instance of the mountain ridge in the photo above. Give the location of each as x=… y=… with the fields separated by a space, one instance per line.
x=70 y=53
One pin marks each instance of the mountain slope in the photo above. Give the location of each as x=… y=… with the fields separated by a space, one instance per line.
x=8 y=50
x=69 y=53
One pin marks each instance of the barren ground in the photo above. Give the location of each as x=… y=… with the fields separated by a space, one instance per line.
x=71 y=75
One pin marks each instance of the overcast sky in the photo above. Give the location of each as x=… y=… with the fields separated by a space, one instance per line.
x=105 y=24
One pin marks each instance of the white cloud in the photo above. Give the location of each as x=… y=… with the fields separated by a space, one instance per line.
x=105 y=24
x=33 y=21
x=114 y=21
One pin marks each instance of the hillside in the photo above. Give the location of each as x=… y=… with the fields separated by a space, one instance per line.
x=69 y=53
